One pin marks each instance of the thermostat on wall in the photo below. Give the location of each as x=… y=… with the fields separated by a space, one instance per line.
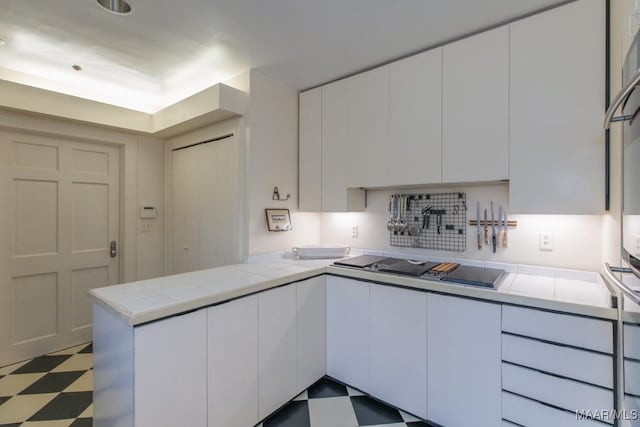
x=148 y=212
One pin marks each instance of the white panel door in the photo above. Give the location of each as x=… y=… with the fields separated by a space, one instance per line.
x=60 y=213
x=170 y=365
x=557 y=139
x=463 y=362
x=399 y=347
x=312 y=331
x=276 y=348
x=204 y=206
x=475 y=108
x=233 y=363
x=415 y=119
x=348 y=331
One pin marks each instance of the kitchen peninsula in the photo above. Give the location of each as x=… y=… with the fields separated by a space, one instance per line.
x=229 y=346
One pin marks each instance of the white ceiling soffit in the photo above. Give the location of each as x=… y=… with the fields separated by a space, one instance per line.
x=167 y=50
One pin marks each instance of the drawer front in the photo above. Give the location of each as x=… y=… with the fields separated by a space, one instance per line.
x=632 y=411
x=594 y=368
x=632 y=341
x=592 y=334
x=632 y=377
x=566 y=394
x=530 y=413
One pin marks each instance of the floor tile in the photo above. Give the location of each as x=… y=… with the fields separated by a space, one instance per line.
x=83 y=422
x=69 y=351
x=77 y=362
x=20 y=408
x=6 y=370
x=50 y=423
x=88 y=413
x=295 y=414
x=371 y=412
x=408 y=417
x=87 y=349
x=41 y=364
x=64 y=406
x=354 y=392
x=84 y=383
x=302 y=396
x=14 y=384
x=52 y=382
x=326 y=388
x=332 y=412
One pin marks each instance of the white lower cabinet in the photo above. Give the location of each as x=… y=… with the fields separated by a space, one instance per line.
x=233 y=363
x=277 y=348
x=348 y=331
x=463 y=362
x=399 y=348
x=311 y=299
x=169 y=362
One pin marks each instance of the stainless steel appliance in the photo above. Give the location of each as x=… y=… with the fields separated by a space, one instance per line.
x=628 y=102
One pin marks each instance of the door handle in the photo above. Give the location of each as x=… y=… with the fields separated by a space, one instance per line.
x=113 y=249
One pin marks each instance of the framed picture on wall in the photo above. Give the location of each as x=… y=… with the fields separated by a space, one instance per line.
x=278 y=219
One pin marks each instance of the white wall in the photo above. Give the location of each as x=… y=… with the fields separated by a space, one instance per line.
x=151 y=192
x=273 y=161
x=577 y=239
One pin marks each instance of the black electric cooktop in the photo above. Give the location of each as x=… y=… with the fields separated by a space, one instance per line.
x=464 y=275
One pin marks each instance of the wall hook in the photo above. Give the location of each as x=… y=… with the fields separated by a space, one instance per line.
x=276 y=195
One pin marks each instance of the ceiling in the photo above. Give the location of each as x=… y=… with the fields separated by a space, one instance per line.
x=168 y=50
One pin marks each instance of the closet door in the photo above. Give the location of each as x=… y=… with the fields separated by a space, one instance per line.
x=204 y=205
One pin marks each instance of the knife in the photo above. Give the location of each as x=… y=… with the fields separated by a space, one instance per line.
x=500 y=226
x=493 y=229
x=486 y=228
x=505 y=236
x=478 y=225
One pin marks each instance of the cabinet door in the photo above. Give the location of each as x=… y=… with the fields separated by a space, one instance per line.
x=415 y=119
x=475 y=108
x=399 y=347
x=310 y=151
x=311 y=322
x=463 y=361
x=368 y=128
x=170 y=359
x=557 y=104
x=337 y=152
x=348 y=338
x=276 y=348
x=233 y=363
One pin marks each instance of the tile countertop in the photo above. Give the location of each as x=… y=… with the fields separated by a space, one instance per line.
x=144 y=301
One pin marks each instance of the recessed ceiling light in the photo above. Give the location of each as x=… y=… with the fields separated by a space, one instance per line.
x=119 y=7
x=76 y=67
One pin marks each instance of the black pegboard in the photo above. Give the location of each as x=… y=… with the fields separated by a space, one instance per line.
x=453 y=212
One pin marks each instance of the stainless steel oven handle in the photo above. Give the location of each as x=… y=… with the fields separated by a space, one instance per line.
x=620 y=98
x=612 y=279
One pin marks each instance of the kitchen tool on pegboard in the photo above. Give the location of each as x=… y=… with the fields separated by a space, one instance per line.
x=429 y=220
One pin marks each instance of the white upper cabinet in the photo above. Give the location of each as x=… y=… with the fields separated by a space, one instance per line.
x=475 y=108
x=310 y=151
x=337 y=151
x=415 y=119
x=368 y=128
x=557 y=108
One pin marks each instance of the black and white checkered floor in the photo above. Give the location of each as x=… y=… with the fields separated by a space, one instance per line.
x=56 y=391
x=49 y=391
x=329 y=404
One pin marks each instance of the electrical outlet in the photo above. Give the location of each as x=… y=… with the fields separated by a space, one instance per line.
x=637 y=245
x=354 y=231
x=546 y=241
x=146 y=226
